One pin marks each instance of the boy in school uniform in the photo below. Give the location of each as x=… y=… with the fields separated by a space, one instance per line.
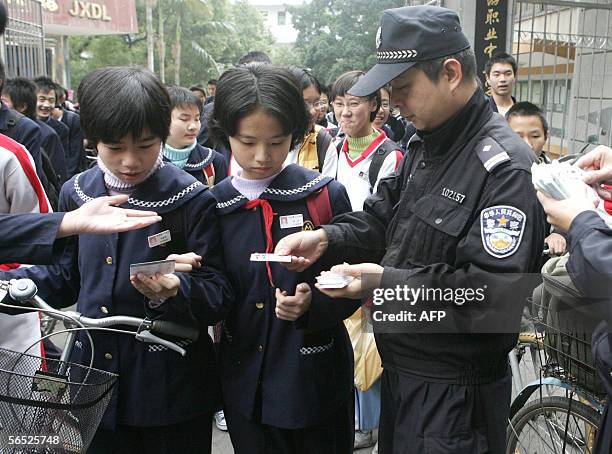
x=182 y=149
x=366 y=154
x=161 y=399
x=286 y=362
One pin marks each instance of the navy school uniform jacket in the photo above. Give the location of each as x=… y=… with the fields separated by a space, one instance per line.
x=62 y=131
x=75 y=152
x=200 y=159
x=29 y=238
x=26 y=132
x=156 y=386
x=302 y=370
x=52 y=145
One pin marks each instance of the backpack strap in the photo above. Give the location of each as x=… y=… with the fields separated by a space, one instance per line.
x=384 y=150
x=209 y=174
x=323 y=140
x=319 y=207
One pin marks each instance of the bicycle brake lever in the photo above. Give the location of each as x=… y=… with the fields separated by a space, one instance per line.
x=150 y=338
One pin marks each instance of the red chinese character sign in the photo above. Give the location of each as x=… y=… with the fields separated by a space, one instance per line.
x=490 y=33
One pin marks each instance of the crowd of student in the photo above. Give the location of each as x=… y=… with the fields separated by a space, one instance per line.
x=264 y=152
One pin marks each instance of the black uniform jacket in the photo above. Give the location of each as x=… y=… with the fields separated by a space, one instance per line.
x=459 y=213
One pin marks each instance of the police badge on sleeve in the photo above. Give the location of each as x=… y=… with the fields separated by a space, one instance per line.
x=502 y=230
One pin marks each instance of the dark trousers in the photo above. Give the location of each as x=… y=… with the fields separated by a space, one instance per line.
x=440 y=418
x=334 y=435
x=193 y=437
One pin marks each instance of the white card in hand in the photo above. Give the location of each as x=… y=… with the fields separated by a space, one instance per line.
x=263 y=257
x=152 y=268
x=331 y=280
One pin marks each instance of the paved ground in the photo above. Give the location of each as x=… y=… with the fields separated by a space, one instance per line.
x=222 y=445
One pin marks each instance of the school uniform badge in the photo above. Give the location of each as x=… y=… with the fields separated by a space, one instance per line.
x=501 y=229
x=308 y=225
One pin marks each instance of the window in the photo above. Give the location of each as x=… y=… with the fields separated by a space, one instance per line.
x=282 y=17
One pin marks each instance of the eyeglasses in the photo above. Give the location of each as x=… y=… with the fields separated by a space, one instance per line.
x=385 y=105
x=317 y=105
x=351 y=105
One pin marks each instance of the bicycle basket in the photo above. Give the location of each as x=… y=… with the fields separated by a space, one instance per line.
x=48 y=405
x=567 y=329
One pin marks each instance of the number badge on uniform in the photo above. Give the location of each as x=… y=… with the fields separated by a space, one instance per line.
x=501 y=229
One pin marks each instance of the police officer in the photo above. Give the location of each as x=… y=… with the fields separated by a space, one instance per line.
x=590 y=267
x=31 y=237
x=460 y=210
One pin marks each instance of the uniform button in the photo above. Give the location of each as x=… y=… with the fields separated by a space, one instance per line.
x=259 y=305
x=104 y=309
x=422 y=164
x=108 y=356
x=109 y=260
x=260 y=348
x=438 y=221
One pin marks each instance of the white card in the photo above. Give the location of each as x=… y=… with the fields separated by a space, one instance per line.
x=152 y=268
x=291 y=221
x=159 y=238
x=263 y=257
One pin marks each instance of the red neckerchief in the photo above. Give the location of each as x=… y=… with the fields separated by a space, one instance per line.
x=268 y=215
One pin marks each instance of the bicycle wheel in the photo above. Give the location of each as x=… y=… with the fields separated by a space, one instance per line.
x=549 y=425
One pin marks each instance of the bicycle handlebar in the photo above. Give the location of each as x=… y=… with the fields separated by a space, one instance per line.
x=24 y=290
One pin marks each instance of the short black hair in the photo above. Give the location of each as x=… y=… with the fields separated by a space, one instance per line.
x=246 y=89
x=212 y=82
x=304 y=78
x=325 y=89
x=197 y=88
x=254 y=56
x=45 y=84
x=345 y=82
x=500 y=57
x=433 y=68
x=181 y=97
x=120 y=101
x=22 y=92
x=527 y=109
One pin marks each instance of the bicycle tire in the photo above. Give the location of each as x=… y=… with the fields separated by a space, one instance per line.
x=547 y=406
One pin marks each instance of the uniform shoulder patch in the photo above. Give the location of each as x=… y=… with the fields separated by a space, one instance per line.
x=501 y=229
x=491 y=153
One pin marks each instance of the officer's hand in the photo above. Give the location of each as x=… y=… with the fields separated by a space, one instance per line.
x=367 y=277
x=100 y=216
x=185 y=262
x=561 y=213
x=304 y=247
x=598 y=163
x=556 y=244
x=157 y=288
x=291 y=308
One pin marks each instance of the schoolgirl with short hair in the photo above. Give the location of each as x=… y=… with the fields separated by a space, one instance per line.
x=286 y=361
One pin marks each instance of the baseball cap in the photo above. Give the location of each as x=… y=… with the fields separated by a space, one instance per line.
x=407 y=36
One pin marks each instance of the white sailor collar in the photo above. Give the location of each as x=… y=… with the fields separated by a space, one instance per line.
x=292 y=183
x=166 y=190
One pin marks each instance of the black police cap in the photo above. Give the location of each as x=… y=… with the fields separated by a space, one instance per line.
x=407 y=36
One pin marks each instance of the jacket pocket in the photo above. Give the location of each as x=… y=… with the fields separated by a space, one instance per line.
x=442 y=214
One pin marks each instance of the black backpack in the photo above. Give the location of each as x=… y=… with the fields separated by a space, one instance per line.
x=385 y=148
x=49 y=179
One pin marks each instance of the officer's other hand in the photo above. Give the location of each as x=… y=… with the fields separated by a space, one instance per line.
x=598 y=163
x=304 y=247
x=561 y=213
x=556 y=244
x=367 y=277
x=185 y=263
x=290 y=308
x=156 y=288
x=100 y=216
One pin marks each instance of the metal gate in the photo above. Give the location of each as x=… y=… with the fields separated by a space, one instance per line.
x=564 y=53
x=24 y=45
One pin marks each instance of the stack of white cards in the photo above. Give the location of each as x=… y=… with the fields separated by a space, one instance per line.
x=332 y=280
x=561 y=180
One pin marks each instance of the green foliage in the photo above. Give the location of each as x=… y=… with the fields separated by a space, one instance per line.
x=212 y=36
x=336 y=36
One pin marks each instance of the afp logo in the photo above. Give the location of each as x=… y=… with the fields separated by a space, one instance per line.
x=502 y=230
